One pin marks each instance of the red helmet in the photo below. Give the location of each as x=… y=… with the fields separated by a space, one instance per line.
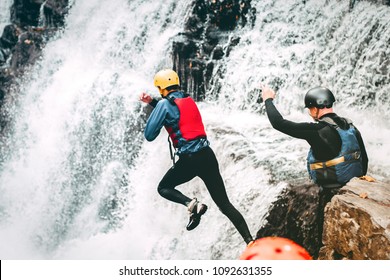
x=275 y=248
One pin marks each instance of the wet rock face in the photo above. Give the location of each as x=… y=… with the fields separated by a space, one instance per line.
x=19 y=48
x=22 y=41
x=55 y=11
x=352 y=3
x=9 y=37
x=8 y=41
x=295 y=215
x=27 y=12
x=206 y=39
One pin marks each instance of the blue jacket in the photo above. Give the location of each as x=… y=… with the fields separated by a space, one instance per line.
x=167 y=114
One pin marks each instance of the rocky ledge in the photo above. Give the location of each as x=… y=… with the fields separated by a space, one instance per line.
x=357 y=223
x=354 y=225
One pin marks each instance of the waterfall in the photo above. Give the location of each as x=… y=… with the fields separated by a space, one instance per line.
x=77 y=179
x=5 y=13
x=42 y=19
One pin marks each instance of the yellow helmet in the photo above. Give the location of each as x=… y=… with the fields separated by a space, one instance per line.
x=166 y=78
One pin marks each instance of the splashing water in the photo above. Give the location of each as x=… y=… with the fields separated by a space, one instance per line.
x=5 y=14
x=79 y=182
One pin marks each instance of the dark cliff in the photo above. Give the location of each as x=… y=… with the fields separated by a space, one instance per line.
x=22 y=41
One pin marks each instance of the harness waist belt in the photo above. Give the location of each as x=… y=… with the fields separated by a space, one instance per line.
x=328 y=163
x=332 y=162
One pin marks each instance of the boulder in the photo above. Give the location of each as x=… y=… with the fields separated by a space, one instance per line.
x=357 y=223
x=296 y=215
x=349 y=223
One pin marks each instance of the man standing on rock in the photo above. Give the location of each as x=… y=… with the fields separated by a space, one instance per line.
x=337 y=152
x=179 y=114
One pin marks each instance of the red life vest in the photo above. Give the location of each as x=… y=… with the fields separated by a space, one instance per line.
x=190 y=121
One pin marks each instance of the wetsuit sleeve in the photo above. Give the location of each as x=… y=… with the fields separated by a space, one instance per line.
x=155 y=121
x=153 y=103
x=307 y=131
x=363 y=151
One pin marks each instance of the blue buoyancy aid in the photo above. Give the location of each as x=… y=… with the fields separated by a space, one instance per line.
x=345 y=166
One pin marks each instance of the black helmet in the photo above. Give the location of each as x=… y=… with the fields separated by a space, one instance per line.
x=319 y=97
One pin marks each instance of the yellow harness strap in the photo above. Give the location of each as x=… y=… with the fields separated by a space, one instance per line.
x=332 y=162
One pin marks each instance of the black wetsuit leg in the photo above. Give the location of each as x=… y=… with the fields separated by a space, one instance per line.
x=325 y=196
x=209 y=172
x=205 y=165
x=180 y=173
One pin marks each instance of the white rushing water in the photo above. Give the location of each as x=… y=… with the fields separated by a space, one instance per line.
x=5 y=13
x=77 y=180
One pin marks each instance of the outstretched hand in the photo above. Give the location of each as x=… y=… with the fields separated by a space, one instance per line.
x=144 y=97
x=267 y=92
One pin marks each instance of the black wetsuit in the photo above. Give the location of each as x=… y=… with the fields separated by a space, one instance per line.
x=323 y=139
